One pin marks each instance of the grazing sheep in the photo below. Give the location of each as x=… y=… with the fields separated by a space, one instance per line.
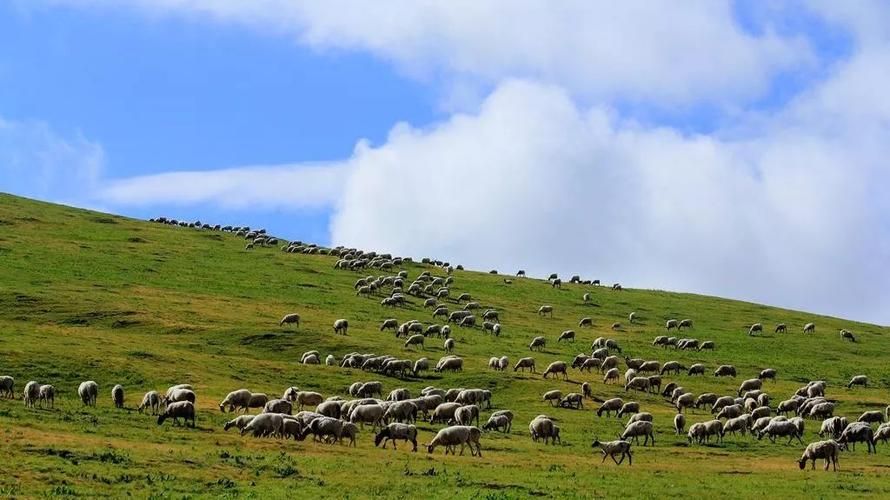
x=591 y=363
x=545 y=310
x=152 y=401
x=696 y=433
x=368 y=414
x=872 y=417
x=833 y=427
x=632 y=317
x=809 y=328
x=821 y=410
x=239 y=422
x=611 y=375
x=341 y=326
x=883 y=433
x=685 y=400
x=725 y=371
x=827 y=450
x=46 y=394
x=449 y=345
x=650 y=366
x=781 y=328
x=696 y=369
x=616 y=326
x=450 y=437
x=586 y=390
x=858 y=380
x=750 y=385
x=629 y=408
x=612 y=448
x=730 y=411
x=679 y=423
x=713 y=428
x=609 y=406
x=7 y=387
x=781 y=428
x=556 y=368
x=292 y=318
x=707 y=345
x=686 y=323
x=671 y=324
x=415 y=340
x=117 y=396
x=858 y=432
x=552 y=396
x=637 y=384
x=767 y=373
x=637 y=429
x=466 y=414
x=585 y=321
x=706 y=399
x=331 y=409
x=847 y=335
x=755 y=328
x=544 y=427
x=180 y=409
x=738 y=424
x=524 y=363
x=453 y=364
x=278 y=406
x=572 y=400
x=672 y=366
x=397 y=431
x=498 y=423
x=88 y=392
x=586 y=297
x=266 y=424
x=537 y=342
x=421 y=365
x=236 y=400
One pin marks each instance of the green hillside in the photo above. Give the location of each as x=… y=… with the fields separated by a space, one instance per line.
x=91 y=296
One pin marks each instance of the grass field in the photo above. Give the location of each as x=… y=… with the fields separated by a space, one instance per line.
x=85 y=295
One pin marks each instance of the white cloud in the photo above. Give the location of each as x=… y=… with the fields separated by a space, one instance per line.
x=37 y=161
x=641 y=50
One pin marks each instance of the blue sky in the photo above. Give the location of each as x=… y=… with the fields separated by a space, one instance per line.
x=658 y=146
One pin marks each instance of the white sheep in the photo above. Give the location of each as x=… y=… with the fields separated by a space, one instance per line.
x=612 y=448
x=450 y=437
x=151 y=401
x=636 y=429
x=265 y=424
x=858 y=380
x=755 y=328
x=827 y=450
x=858 y=432
x=292 y=318
x=341 y=326
x=524 y=363
x=552 y=396
x=47 y=395
x=609 y=406
x=449 y=345
x=117 y=396
x=556 y=368
x=180 y=409
x=238 y=422
x=235 y=400
x=397 y=431
x=809 y=328
x=679 y=423
x=544 y=427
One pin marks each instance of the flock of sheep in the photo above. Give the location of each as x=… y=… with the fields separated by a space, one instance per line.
x=393 y=418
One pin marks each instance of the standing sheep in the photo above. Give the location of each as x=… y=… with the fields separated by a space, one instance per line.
x=88 y=392
x=612 y=448
x=679 y=423
x=117 y=396
x=827 y=450
x=151 y=401
x=450 y=437
x=755 y=328
x=341 y=326
x=545 y=310
x=288 y=319
x=556 y=368
x=181 y=409
x=449 y=345
x=809 y=328
x=7 y=387
x=858 y=380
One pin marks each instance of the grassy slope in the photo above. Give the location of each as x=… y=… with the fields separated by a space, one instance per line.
x=85 y=295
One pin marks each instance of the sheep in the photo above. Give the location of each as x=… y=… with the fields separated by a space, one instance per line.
x=537 y=342
x=331 y=409
x=737 y=424
x=629 y=408
x=586 y=390
x=763 y=411
x=858 y=432
x=847 y=335
x=46 y=394
x=496 y=330
x=568 y=335
x=278 y=406
x=730 y=411
x=591 y=363
x=781 y=328
x=556 y=368
x=713 y=428
x=685 y=400
x=672 y=366
x=368 y=414
x=706 y=399
x=239 y=422
x=750 y=385
x=498 y=423
x=632 y=317
x=235 y=400
x=152 y=401
x=415 y=340
x=292 y=318
x=467 y=322
x=544 y=427
x=858 y=380
x=552 y=396
x=661 y=340
x=453 y=364
x=696 y=369
x=265 y=424
x=465 y=415
x=767 y=373
x=670 y=324
x=696 y=433
x=609 y=406
x=611 y=375
x=444 y=412
x=725 y=371
x=88 y=392
x=809 y=328
x=676 y=393
x=180 y=409
x=421 y=365
x=399 y=394
x=401 y=411
x=883 y=433
x=638 y=384
x=7 y=387
x=585 y=321
x=833 y=427
x=586 y=297
x=637 y=429
x=821 y=410
x=827 y=450
x=449 y=345
x=397 y=431
x=872 y=417
x=609 y=363
x=341 y=326
x=450 y=437
x=650 y=366
x=612 y=345
x=545 y=310
x=708 y=345
x=781 y=428
x=572 y=400
x=721 y=403
x=679 y=423
x=629 y=375
x=612 y=448
x=756 y=327
x=307 y=398
x=117 y=396
x=524 y=363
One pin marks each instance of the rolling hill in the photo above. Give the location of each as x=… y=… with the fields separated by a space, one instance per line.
x=92 y=296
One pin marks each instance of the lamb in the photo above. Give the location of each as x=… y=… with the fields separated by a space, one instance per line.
x=397 y=431
x=7 y=387
x=679 y=423
x=609 y=406
x=466 y=414
x=612 y=448
x=637 y=429
x=239 y=422
x=152 y=401
x=827 y=450
x=750 y=385
x=265 y=424
x=638 y=384
x=725 y=371
x=180 y=409
x=498 y=423
x=567 y=336
x=809 y=328
x=585 y=321
x=368 y=414
x=552 y=396
x=278 y=406
x=756 y=327
x=450 y=437
x=292 y=318
x=88 y=392
x=341 y=326
x=872 y=417
x=768 y=373
x=235 y=400
x=117 y=396
x=537 y=342
x=858 y=380
x=544 y=427
x=556 y=368
x=545 y=310
x=47 y=395
x=629 y=408
x=858 y=432
x=415 y=340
